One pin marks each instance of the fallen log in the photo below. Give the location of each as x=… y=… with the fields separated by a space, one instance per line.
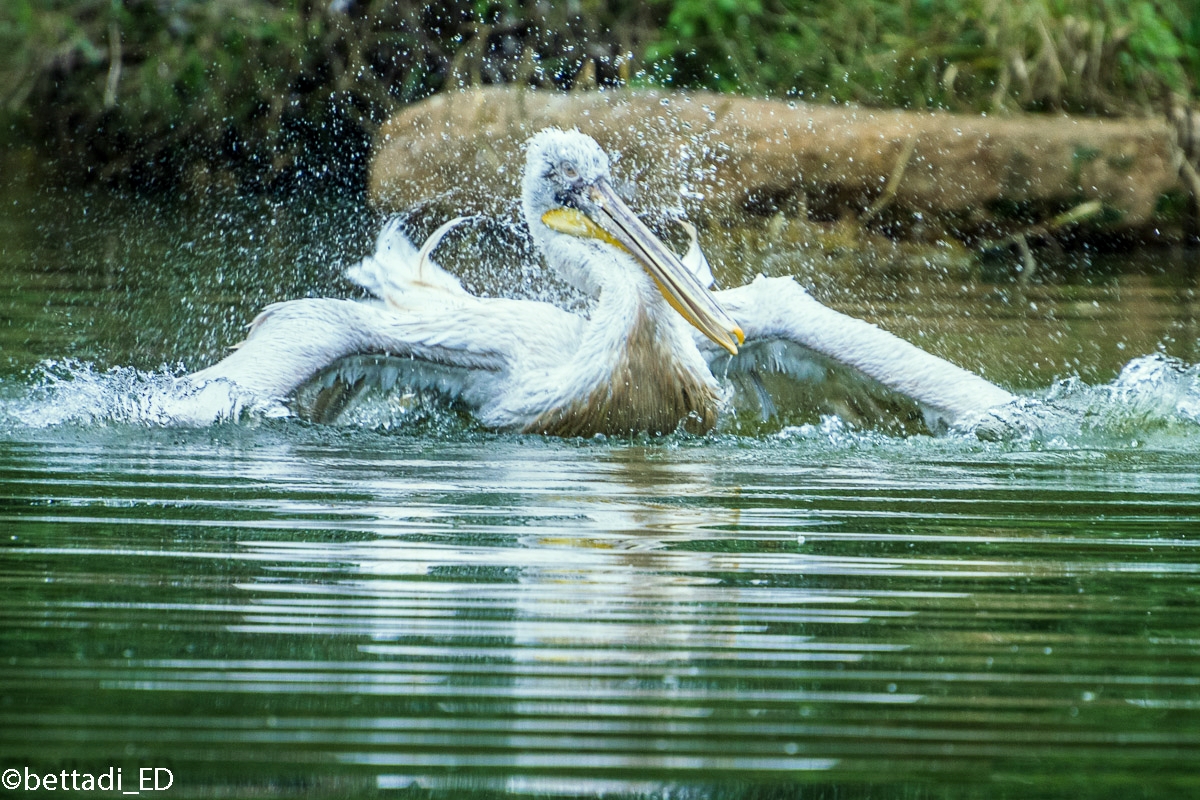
x=725 y=159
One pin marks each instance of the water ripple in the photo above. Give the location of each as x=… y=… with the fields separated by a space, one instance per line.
x=690 y=619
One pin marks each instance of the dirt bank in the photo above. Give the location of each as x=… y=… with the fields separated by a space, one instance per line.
x=726 y=160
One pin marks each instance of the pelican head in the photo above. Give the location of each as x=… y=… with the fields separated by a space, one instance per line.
x=567 y=191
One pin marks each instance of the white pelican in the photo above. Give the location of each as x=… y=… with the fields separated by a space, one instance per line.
x=647 y=358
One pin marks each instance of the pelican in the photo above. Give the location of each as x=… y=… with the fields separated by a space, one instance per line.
x=656 y=351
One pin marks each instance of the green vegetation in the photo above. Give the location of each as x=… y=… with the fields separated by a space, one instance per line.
x=273 y=91
x=1090 y=56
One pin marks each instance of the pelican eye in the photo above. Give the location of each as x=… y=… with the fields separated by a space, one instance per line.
x=568 y=170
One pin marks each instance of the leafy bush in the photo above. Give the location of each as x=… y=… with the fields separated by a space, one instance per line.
x=1077 y=55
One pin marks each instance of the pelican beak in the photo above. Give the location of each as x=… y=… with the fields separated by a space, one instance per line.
x=610 y=220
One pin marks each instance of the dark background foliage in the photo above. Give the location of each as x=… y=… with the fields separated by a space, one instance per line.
x=280 y=93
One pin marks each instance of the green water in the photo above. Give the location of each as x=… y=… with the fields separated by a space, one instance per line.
x=271 y=608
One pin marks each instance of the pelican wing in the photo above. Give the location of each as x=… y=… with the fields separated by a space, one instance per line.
x=465 y=350
x=425 y=334
x=788 y=333
x=293 y=342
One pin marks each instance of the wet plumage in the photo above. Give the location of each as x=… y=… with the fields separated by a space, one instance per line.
x=646 y=357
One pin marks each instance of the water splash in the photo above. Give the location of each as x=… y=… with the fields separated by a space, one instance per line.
x=71 y=392
x=833 y=431
x=1154 y=401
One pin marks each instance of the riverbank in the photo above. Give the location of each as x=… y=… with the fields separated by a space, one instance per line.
x=733 y=161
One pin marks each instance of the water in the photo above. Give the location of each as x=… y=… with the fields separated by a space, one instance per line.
x=270 y=608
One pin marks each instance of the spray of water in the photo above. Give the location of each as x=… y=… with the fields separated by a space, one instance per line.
x=76 y=393
x=1154 y=401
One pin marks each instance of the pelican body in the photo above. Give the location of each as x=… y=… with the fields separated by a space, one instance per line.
x=646 y=358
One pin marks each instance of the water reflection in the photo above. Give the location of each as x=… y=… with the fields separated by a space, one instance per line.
x=595 y=607
x=529 y=616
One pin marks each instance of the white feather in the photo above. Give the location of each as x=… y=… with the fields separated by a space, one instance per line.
x=397 y=270
x=694 y=258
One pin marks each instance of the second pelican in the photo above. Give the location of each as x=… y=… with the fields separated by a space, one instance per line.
x=645 y=359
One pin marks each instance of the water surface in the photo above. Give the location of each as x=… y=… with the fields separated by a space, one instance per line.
x=270 y=608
